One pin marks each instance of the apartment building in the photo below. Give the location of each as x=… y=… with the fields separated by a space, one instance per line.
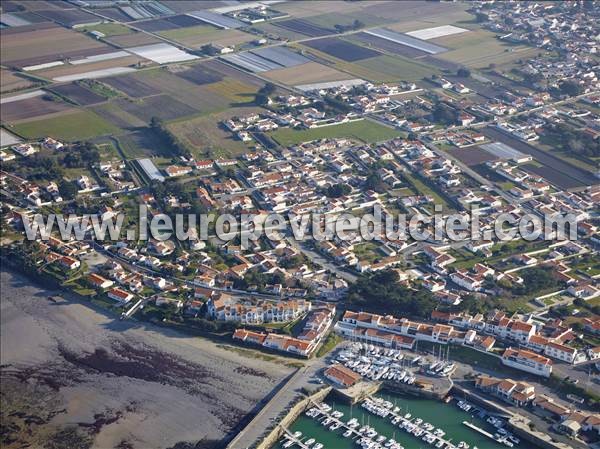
x=528 y=361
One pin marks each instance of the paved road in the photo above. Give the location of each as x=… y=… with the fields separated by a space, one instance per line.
x=317 y=258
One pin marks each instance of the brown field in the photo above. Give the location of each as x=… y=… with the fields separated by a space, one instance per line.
x=40 y=5
x=206 y=138
x=308 y=73
x=200 y=35
x=82 y=68
x=11 y=81
x=31 y=108
x=45 y=45
x=133 y=40
x=232 y=72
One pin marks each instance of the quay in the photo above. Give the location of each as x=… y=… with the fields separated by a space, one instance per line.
x=478 y=429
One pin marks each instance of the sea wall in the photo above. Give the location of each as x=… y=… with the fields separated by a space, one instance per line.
x=271 y=438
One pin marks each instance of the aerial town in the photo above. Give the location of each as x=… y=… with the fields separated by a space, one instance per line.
x=282 y=116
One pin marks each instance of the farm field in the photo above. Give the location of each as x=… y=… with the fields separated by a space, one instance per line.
x=550 y=167
x=143 y=143
x=117 y=116
x=204 y=34
x=417 y=15
x=204 y=135
x=13 y=81
x=199 y=74
x=308 y=73
x=389 y=69
x=205 y=98
x=79 y=125
x=364 y=130
x=162 y=106
x=304 y=27
x=80 y=69
x=133 y=39
x=47 y=44
x=109 y=29
x=68 y=17
x=478 y=49
x=31 y=108
x=340 y=49
x=78 y=94
x=387 y=46
x=472 y=155
x=317 y=8
x=131 y=86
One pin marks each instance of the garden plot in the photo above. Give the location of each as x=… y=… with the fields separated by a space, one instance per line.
x=162 y=53
x=406 y=40
x=435 y=32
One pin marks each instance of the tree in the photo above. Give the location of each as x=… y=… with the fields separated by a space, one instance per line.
x=463 y=72
x=68 y=189
x=337 y=190
x=263 y=94
x=444 y=114
x=570 y=87
x=375 y=183
x=381 y=292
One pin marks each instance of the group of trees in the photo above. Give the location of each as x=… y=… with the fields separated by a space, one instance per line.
x=573 y=140
x=176 y=145
x=356 y=25
x=535 y=280
x=87 y=154
x=263 y=94
x=374 y=181
x=381 y=292
x=442 y=113
x=337 y=190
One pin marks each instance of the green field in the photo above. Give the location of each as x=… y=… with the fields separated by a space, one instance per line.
x=109 y=29
x=206 y=138
x=480 y=48
x=364 y=130
x=79 y=125
x=389 y=68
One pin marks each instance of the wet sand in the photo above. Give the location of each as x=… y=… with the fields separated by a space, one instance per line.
x=117 y=383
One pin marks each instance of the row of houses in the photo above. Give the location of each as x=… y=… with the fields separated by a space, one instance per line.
x=315 y=328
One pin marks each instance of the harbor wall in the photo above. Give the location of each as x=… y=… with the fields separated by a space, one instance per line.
x=476 y=399
x=437 y=393
x=296 y=410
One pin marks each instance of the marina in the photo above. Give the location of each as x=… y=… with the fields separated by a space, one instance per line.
x=397 y=422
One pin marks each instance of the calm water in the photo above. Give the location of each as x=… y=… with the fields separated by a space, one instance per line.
x=445 y=416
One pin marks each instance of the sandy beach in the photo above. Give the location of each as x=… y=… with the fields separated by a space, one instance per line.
x=71 y=367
